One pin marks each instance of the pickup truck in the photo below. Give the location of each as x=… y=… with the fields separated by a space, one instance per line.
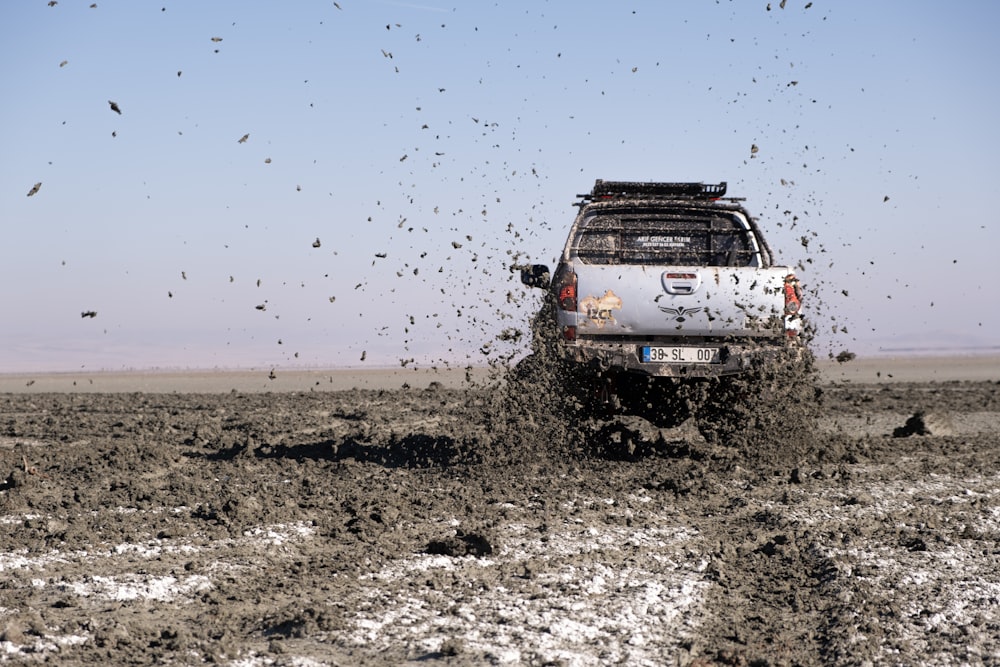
x=659 y=286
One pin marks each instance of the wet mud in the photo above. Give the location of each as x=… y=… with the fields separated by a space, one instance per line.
x=479 y=526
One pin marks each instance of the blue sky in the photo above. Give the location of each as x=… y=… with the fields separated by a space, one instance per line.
x=428 y=146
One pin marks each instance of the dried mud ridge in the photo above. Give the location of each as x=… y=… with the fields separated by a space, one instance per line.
x=440 y=527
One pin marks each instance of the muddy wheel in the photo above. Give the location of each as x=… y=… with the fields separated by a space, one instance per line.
x=768 y=410
x=625 y=439
x=591 y=395
x=663 y=402
x=527 y=369
x=728 y=410
x=566 y=391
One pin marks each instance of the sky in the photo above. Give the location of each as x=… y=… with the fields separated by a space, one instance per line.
x=321 y=184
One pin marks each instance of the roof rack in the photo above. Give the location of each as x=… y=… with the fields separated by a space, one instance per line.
x=638 y=190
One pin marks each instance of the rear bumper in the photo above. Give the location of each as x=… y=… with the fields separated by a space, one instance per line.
x=734 y=357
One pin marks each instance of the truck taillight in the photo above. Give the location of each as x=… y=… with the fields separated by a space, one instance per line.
x=569 y=333
x=565 y=284
x=793 y=304
x=793 y=295
x=567 y=297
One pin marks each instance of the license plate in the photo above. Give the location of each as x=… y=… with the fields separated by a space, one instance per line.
x=684 y=355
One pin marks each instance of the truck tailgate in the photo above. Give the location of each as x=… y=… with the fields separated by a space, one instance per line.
x=643 y=301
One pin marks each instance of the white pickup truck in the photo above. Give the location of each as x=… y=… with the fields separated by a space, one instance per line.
x=661 y=283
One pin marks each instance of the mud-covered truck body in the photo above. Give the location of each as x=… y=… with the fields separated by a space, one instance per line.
x=665 y=282
x=669 y=279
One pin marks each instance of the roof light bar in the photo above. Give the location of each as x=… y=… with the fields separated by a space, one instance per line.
x=632 y=189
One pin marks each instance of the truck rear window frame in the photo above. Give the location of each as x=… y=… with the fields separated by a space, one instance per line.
x=664 y=238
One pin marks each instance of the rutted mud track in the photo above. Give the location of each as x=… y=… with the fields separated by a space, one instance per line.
x=368 y=527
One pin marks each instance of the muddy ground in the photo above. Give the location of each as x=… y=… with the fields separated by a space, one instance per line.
x=371 y=527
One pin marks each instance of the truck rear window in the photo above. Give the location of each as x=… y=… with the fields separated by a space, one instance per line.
x=708 y=239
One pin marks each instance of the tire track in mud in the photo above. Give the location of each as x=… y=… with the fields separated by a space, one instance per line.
x=858 y=563
x=767 y=602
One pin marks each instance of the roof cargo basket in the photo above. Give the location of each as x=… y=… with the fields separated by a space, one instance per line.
x=638 y=190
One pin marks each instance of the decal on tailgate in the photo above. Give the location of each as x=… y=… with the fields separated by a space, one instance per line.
x=598 y=310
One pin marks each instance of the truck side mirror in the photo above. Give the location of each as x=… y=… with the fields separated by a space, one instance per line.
x=536 y=275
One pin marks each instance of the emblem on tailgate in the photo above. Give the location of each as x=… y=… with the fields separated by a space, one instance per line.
x=598 y=310
x=680 y=313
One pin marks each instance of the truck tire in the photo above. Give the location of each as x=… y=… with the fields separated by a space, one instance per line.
x=663 y=402
x=769 y=409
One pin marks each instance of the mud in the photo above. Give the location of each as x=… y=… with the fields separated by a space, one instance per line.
x=466 y=527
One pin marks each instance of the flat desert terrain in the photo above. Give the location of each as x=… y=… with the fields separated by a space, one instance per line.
x=411 y=517
x=865 y=370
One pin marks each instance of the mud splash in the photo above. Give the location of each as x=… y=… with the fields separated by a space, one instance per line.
x=763 y=417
